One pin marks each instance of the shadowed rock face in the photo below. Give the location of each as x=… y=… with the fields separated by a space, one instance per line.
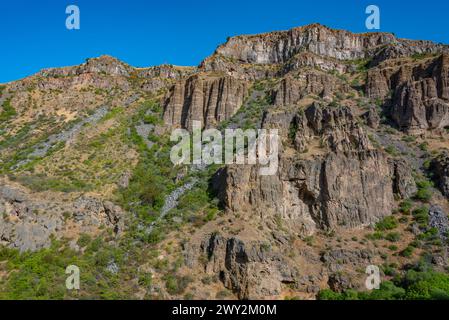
x=419 y=92
x=206 y=99
x=440 y=168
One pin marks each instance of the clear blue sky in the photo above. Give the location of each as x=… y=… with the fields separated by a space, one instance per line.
x=145 y=33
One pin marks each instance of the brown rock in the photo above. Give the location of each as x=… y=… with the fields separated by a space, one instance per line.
x=203 y=98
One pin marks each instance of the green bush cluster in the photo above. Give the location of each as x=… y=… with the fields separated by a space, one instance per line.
x=424 y=192
x=421 y=216
x=176 y=285
x=406 y=206
x=41 y=274
x=387 y=223
x=416 y=284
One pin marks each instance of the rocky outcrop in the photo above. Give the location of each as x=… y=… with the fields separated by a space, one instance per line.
x=280 y=47
x=204 y=98
x=349 y=184
x=28 y=222
x=249 y=268
x=336 y=258
x=419 y=92
x=348 y=190
x=105 y=73
x=155 y=78
x=337 y=129
x=166 y=71
x=105 y=65
x=292 y=89
x=341 y=264
x=403 y=182
x=372 y=117
x=310 y=60
x=440 y=169
x=438 y=219
x=89 y=211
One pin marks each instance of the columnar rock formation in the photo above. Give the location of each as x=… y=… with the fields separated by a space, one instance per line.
x=419 y=92
x=204 y=98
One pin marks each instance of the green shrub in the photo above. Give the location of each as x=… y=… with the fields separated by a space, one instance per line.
x=391 y=150
x=393 y=247
x=424 y=190
x=375 y=236
x=151 y=119
x=416 y=284
x=421 y=216
x=423 y=146
x=406 y=206
x=145 y=279
x=176 y=285
x=427 y=164
x=83 y=240
x=393 y=236
x=408 y=139
x=389 y=270
x=407 y=252
x=387 y=223
x=328 y=294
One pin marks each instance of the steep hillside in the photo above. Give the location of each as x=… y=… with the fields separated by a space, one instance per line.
x=86 y=177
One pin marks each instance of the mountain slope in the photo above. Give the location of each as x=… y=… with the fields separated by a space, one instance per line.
x=86 y=176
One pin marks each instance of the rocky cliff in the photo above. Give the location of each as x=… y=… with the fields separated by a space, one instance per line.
x=362 y=119
x=418 y=92
x=208 y=99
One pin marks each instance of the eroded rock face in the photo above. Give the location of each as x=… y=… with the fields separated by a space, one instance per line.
x=160 y=77
x=249 y=268
x=419 y=92
x=440 y=169
x=203 y=98
x=372 y=117
x=349 y=184
x=104 y=64
x=438 y=219
x=309 y=60
x=337 y=129
x=340 y=190
x=278 y=47
x=291 y=90
x=403 y=182
x=29 y=222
